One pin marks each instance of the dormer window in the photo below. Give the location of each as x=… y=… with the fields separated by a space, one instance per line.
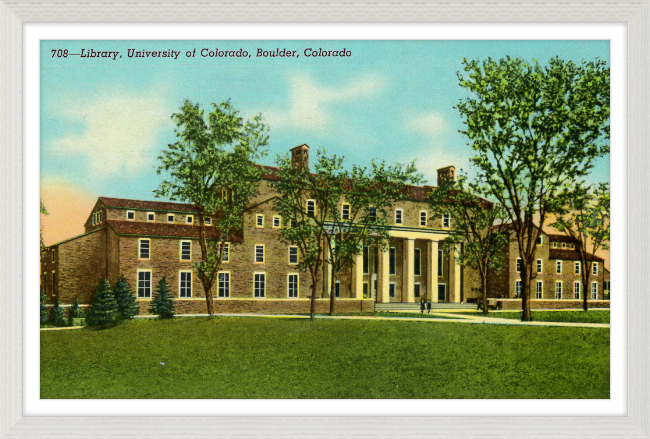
x=170 y=217
x=189 y=219
x=151 y=216
x=130 y=215
x=207 y=221
x=564 y=245
x=555 y=245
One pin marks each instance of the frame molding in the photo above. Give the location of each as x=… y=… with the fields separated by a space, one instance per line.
x=13 y=13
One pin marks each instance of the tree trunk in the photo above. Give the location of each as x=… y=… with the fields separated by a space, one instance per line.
x=526 y=316
x=312 y=304
x=586 y=271
x=208 y=296
x=484 y=292
x=332 y=289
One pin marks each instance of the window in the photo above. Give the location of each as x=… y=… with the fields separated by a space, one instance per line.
x=564 y=245
x=439 y=263
x=366 y=260
x=337 y=288
x=391 y=261
x=260 y=284
x=144 y=248
x=276 y=222
x=224 y=284
x=594 y=291
x=144 y=283
x=538 y=291
x=345 y=212
x=93 y=218
x=130 y=215
x=558 y=290
x=416 y=291
x=445 y=221
x=186 y=250
x=417 y=269
x=539 y=265
x=540 y=240
x=293 y=255
x=558 y=267
x=518 y=288
x=186 y=284
x=594 y=268
x=398 y=216
x=373 y=214
x=518 y=265
x=365 y=290
x=189 y=219
x=555 y=245
x=391 y=289
x=53 y=254
x=293 y=285
x=151 y=216
x=259 y=221
x=576 y=290
x=311 y=207
x=53 y=283
x=225 y=256
x=259 y=253
x=577 y=267
x=170 y=217
x=45 y=282
x=423 y=219
x=207 y=221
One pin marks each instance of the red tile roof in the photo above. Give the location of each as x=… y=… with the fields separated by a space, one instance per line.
x=150 y=205
x=140 y=228
x=560 y=238
x=571 y=255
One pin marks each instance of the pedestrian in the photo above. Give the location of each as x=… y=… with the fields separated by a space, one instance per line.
x=428 y=307
x=422 y=306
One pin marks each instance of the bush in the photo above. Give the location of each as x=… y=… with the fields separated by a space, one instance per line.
x=126 y=305
x=103 y=310
x=75 y=312
x=44 y=310
x=58 y=316
x=162 y=304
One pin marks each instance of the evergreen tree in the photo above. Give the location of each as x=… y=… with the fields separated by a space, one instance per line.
x=103 y=310
x=75 y=312
x=44 y=313
x=58 y=316
x=162 y=304
x=126 y=305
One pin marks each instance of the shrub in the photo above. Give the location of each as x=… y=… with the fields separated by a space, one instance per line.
x=103 y=310
x=162 y=304
x=58 y=315
x=126 y=305
x=44 y=310
x=75 y=312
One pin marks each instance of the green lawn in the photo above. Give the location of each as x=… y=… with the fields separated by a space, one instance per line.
x=248 y=357
x=591 y=316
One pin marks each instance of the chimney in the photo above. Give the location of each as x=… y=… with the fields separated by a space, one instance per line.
x=448 y=172
x=300 y=156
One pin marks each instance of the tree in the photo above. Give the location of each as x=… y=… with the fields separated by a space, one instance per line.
x=75 y=312
x=534 y=129
x=327 y=229
x=103 y=310
x=43 y=248
x=478 y=227
x=212 y=165
x=125 y=299
x=585 y=219
x=44 y=311
x=58 y=316
x=162 y=304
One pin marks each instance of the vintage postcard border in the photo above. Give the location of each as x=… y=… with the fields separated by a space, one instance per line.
x=14 y=425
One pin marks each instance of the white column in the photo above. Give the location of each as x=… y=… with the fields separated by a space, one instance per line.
x=383 y=277
x=357 y=276
x=454 y=266
x=432 y=271
x=408 y=274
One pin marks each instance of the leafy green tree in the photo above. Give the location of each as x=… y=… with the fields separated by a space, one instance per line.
x=368 y=193
x=44 y=311
x=585 y=219
x=75 y=312
x=103 y=310
x=43 y=251
x=57 y=317
x=534 y=129
x=478 y=226
x=126 y=304
x=212 y=165
x=162 y=303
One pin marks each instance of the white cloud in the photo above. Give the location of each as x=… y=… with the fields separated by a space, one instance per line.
x=430 y=125
x=120 y=130
x=429 y=161
x=309 y=101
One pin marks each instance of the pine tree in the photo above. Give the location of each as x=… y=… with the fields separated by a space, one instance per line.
x=44 y=313
x=162 y=304
x=103 y=310
x=75 y=312
x=126 y=305
x=58 y=316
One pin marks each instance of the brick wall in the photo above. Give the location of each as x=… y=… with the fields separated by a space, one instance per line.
x=515 y=304
x=81 y=265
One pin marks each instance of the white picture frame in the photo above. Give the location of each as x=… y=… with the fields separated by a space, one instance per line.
x=636 y=14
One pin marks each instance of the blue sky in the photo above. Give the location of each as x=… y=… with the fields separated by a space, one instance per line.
x=103 y=122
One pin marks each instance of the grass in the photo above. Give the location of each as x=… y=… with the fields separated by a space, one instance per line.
x=248 y=357
x=592 y=316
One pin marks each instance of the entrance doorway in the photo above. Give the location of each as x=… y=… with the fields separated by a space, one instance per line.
x=442 y=292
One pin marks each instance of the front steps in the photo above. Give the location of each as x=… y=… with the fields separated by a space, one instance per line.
x=406 y=307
